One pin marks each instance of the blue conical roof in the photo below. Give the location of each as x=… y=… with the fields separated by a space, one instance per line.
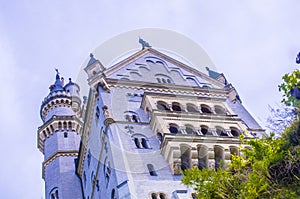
x=92 y=60
x=58 y=85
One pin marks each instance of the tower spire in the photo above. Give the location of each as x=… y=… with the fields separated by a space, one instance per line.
x=58 y=84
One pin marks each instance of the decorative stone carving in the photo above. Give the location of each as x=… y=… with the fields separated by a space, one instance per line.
x=177 y=168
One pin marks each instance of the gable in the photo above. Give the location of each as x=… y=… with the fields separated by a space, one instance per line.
x=152 y=66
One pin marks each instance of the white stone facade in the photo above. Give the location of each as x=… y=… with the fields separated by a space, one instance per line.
x=147 y=118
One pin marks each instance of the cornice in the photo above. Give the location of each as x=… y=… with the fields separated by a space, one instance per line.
x=60 y=153
x=168 y=88
x=51 y=126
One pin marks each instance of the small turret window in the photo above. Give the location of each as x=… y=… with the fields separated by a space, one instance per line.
x=54 y=194
x=151 y=169
x=173 y=128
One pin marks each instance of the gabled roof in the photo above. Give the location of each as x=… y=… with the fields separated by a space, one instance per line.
x=118 y=66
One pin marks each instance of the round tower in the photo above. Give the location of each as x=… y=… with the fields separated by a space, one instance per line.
x=59 y=139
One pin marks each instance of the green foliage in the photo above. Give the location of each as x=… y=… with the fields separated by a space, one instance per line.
x=271 y=170
x=289 y=82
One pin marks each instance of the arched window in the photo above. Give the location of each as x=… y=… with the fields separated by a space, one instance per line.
x=70 y=125
x=205 y=109
x=202 y=156
x=158 y=195
x=176 y=107
x=234 y=131
x=54 y=193
x=233 y=151
x=113 y=194
x=137 y=143
x=159 y=137
x=151 y=170
x=127 y=118
x=189 y=129
x=145 y=143
x=59 y=126
x=65 y=125
x=173 y=128
x=134 y=118
x=162 y=78
x=162 y=196
x=89 y=157
x=191 y=108
x=163 y=106
x=204 y=129
x=131 y=116
x=220 y=110
x=140 y=141
x=154 y=196
x=220 y=131
x=97 y=113
x=219 y=156
x=185 y=152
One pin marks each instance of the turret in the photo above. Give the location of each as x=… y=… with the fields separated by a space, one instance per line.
x=59 y=138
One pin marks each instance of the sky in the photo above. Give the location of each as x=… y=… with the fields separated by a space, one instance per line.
x=252 y=42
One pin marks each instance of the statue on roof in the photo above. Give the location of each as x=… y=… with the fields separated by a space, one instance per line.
x=298 y=58
x=144 y=43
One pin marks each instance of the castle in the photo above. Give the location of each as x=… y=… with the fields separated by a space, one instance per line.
x=147 y=117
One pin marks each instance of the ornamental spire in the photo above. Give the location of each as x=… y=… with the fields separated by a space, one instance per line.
x=58 y=84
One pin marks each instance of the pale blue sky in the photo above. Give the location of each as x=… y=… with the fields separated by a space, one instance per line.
x=252 y=42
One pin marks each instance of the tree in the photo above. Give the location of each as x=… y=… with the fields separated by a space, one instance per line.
x=281 y=117
x=270 y=169
x=290 y=88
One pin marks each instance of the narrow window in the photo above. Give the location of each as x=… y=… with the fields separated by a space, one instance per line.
x=191 y=108
x=189 y=130
x=97 y=113
x=219 y=154
x=113 y=194
x=54 y=194
x=134 y=118
x=154 y=196
x=220 y=110
x=221 y=131
x=70 y=126
x=65 y=125
x=59 y=126
x=151 y=169
x=173 y=129
x=185 y=157
x=162 y=196
x=234 y=132
x=145 y=143
x=162 y=106
x=89 y=158
x=159 y=137
x=205 y=109
x=176 y=107
x=202 y=157
x=204 y=130
x=127 y=117
x=65 y=134
x=137 y=143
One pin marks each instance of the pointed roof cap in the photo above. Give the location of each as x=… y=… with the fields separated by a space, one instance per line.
x=92 y=60
x=212 y=74
x=58 y=84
